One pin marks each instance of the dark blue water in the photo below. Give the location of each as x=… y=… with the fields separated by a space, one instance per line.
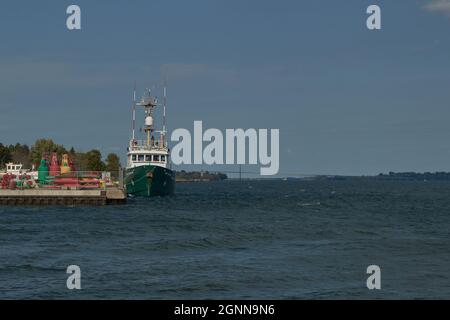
x=251 y=239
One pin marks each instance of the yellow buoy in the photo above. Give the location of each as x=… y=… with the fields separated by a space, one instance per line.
x=65 y=168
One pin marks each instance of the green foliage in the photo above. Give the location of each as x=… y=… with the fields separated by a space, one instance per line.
x=42 y=147
x=199 y=176
x=20 y=154
x=5 y=155
x=93 y=161
x=112 y=162
x=89 y=161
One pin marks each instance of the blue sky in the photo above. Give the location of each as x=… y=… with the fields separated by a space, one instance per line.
x=346 y=100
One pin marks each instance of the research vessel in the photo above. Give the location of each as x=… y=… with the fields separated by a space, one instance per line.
x=148 y=171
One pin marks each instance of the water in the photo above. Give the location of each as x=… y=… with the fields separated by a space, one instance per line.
x=237 y=240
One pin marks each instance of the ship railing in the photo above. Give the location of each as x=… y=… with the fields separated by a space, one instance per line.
x=142 y=144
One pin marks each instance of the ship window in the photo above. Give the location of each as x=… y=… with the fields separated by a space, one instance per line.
x=163 y=158
x=148 y=158
x=141 y=158
x=133 y=157
x=156 y=158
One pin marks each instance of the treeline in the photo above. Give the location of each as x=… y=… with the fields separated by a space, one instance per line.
x=416 y=175
x=199 y=176
x=31 y=156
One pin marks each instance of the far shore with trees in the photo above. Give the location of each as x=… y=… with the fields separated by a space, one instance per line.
x=183 y=176
x=91 y=160
x=31 y=156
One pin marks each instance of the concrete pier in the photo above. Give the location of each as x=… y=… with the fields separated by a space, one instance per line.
x=62 y=197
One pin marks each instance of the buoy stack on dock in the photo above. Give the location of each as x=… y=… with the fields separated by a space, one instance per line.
x=65 y=168
x=54 y=167
x=60 y=184
x=43 y=172
x=12 y=182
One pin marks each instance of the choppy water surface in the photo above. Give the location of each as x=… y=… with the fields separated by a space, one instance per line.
x=250 y=239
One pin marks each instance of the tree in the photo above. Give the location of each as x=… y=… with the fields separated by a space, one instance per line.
x=20 y=154
x=93 y=161
x=112 y=162
x=43 y=146
x=5 y=155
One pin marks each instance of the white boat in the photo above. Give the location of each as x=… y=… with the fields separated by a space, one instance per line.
x=17 y=170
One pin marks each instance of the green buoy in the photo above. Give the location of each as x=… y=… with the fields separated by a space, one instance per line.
x=43 y=172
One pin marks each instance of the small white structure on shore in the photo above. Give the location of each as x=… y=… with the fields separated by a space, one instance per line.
x=17 y=170
x=14 y=168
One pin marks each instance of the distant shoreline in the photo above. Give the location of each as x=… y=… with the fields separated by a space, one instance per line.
x=405 y=176
x=198 y=176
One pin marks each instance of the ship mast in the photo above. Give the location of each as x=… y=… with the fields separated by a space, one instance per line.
x=134 y=112
x=164 y=115
x=152 y=149
x=149 y=103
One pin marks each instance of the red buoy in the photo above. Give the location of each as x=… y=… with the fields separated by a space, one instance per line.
x=54 y=166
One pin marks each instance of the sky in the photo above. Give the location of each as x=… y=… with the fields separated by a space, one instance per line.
x=347 y=100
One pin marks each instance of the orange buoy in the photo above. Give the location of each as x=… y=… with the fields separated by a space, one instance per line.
x=65 y=168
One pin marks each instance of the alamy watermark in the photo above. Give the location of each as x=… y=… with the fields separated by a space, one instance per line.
x=374 y=20
x=73 y=21
x=74 y=280
x=374 y=280
x=229 y=150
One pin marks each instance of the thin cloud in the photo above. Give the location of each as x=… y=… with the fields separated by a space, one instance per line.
x=3 y=128
x=178 y=71
x=440 y=6
x=19 y=75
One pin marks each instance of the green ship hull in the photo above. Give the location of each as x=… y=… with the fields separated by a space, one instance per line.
x=148 y=181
